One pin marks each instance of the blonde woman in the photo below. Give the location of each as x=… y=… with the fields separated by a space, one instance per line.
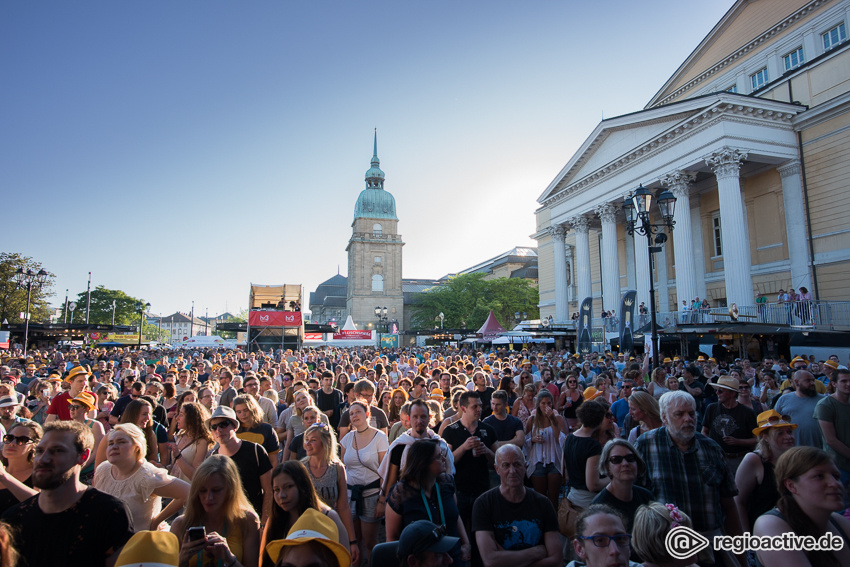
x=644 y=410
x=232 y=527
x=127 y=476
x=657 y=387
x=329 y=477
x=251 y=425
x=295 y=426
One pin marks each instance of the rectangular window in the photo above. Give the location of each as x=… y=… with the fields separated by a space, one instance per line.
x=834 y=37
x=794 y=59
x=759 y=78
x=732 y=89
x=718 y=237
x=377 y=259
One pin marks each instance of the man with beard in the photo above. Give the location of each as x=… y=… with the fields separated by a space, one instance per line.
x=68 y=523
x=687 y=469
x=800 y=405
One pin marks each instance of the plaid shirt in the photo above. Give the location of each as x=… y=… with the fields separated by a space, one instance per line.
x=695 y=480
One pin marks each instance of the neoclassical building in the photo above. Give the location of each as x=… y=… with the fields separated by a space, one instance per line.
x=374 y=252
x=751 y=134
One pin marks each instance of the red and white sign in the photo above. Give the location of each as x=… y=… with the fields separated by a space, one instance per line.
x=358 y=335
x=274 y=318
x=312 y=336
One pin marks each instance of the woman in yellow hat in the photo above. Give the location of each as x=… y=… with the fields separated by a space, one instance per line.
x=80 y=406
x=757 y=491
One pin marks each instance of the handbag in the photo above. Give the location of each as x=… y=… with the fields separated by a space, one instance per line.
x=567 y=515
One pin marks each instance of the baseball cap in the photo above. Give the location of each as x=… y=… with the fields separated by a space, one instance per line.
x=422 y=536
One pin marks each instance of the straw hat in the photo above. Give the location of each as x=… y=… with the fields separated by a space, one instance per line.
x=727 y=383
x=312 y=526
x=150 y=549
x=591 y=393
x=772 y=419
x=76 y=371
x=85 y=398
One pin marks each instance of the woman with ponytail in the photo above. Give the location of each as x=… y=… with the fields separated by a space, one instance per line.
x=810 y=497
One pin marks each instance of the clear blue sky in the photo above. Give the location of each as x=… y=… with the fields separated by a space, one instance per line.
x=180 y=150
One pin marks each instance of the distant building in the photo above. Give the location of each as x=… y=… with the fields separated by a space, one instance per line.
x=328 y=303
x=181 y=325
x=518 y=262
x=374 y=253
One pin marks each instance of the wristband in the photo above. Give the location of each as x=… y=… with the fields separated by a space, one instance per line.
x=352 y=542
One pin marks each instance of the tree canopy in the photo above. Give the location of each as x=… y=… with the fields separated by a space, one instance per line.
x=101 y=307
x=13 y=300
x=466 y=300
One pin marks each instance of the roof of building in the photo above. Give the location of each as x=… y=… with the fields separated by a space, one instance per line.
x=181 y=318
x=374 y=202
x=518 y=255
x=330 y=293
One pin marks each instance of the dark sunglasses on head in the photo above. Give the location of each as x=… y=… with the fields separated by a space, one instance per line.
x=617 y=459
x=17 y=439
x=220 y=424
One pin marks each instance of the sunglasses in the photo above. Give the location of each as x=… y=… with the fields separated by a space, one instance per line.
x=220 y=425
x=75 y=407
x=16 y=439
x=617 y=459
x=620 y=540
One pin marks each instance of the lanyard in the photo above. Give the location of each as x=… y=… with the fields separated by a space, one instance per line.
x=439 y=503
x=201 y=553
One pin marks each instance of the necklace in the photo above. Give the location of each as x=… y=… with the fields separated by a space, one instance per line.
x=364 y=430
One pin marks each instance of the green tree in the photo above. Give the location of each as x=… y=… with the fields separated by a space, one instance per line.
x=101 y=307
x=466 y=300
x=13 y=300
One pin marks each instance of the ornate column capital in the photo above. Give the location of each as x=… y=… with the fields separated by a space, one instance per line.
x=790 y=168
x=558 y=231
x=678 y=181
x=726 y=162
x=580 y=223
x=607 y=213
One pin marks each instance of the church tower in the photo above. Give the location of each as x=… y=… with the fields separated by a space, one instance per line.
x=374 y=254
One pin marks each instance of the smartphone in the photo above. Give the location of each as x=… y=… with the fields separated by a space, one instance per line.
x=196 y=533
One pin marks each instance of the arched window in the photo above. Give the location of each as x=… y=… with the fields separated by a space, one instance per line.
x=377 y=282
x=377 y=229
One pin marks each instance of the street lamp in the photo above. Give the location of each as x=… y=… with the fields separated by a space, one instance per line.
x=28 y=279
x=381 y=316
x=442 y=316
x=636 y=208
x=141 y=307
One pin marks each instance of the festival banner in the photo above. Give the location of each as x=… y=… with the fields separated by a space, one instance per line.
x=584 y=327
x=352 y=335
x=313 y=337
x=389 y=341
x=627 y=323
x=274 y=318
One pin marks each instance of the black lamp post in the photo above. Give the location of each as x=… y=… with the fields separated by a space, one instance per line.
x=141 y=307
x=637 y=207
x=381 y=316
x=28 y=279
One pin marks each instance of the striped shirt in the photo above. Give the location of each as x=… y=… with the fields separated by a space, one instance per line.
x=695 y=480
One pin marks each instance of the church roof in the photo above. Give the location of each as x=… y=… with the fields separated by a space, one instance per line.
x=331 y=292
x=374 y=202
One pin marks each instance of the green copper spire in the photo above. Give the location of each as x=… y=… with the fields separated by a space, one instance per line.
x=374 y=202
x=375 y=177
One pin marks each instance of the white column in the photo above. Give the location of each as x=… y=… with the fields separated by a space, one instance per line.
x=662 y=280
x=610 y=258
x=683 y=247
x=561 y=306
x=630 y=263
x=641 y=269
x=699 y=251
x=585 y=285
x=726 y=164
x=795 y=224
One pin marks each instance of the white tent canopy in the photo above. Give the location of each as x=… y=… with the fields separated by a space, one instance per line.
x=349 y=325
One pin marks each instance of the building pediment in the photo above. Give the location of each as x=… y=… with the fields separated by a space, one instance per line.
x=622 y=142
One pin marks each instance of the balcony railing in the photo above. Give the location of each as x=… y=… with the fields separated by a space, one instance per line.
x=816 y=315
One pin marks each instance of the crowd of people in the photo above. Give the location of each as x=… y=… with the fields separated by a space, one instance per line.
x=349 y=457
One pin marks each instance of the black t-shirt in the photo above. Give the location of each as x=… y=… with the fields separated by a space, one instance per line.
x=515 y=526
x=253 y=462
x=486 y=410
x=330 y=401
x=470 y=470
x=577 y=450
x=737 y=422
x=84 y=535
x=640 y=496
x=505 y=428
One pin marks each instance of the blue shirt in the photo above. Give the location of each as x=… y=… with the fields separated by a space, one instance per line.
x=620 y=409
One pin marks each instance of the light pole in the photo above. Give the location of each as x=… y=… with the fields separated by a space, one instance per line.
x=113 y=312
x=381 y=316
x=28 y=279
x=637 y=207
x=442 y=316
x=141 y=307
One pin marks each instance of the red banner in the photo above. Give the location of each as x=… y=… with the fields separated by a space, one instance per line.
x=312 y=336
x=359 y=335
x=274 y=318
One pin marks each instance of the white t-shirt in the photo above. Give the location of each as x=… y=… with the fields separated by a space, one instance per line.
x=362 y=463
